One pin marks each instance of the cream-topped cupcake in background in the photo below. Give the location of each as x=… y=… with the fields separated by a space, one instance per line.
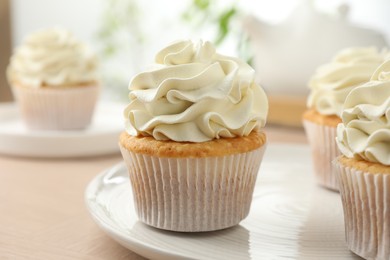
x=364 y=168
x=193 y=142
x=54 y=80
x=329 y=86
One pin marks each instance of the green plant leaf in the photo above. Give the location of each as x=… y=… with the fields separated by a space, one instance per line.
x=223 y=24
x=202 y=4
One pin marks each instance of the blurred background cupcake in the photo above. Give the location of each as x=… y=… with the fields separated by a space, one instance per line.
x=54 y=80
x=194 y=142
x=329 y=86
x=364 y=168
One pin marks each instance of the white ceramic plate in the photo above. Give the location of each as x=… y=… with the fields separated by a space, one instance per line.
x=100 y=138
x=291 y=217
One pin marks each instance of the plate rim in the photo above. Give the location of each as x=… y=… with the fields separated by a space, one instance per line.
x=52 y=138
x=117 y=235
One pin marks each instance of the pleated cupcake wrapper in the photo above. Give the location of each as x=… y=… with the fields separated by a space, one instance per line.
x=324 y=150
x=366 y=203
x=193 y=194
x=57 y=109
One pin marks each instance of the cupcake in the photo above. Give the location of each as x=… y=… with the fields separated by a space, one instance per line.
x=193 y=142
x=330 y=85
x=54 y=80
x=364 y=168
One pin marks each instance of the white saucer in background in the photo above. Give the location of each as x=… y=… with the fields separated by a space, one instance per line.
x=100 y=138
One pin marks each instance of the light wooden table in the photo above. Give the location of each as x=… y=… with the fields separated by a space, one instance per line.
x=42 y=211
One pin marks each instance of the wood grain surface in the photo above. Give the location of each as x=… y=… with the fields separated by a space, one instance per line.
x=286 y=110
x=5 y=48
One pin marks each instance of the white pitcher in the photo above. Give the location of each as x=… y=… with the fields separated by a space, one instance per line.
x=287 y=54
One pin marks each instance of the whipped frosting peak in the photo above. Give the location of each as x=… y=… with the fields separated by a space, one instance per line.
x=195 y=95
x=182 y=52
x=365 y=130
x=382 y=73
x=332 y=82
x=52 y=57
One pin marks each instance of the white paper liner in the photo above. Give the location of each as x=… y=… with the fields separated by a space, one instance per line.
x=366 y=203
x=56 y=109
x=324 y=150
x=193 y=194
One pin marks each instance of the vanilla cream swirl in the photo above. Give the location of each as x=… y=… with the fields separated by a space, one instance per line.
x=195 y=95
x=52 y=57
x=365 y=131
x=332 y=82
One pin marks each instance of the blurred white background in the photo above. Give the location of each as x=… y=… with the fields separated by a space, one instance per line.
x=82 y=17
x=152 y=24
